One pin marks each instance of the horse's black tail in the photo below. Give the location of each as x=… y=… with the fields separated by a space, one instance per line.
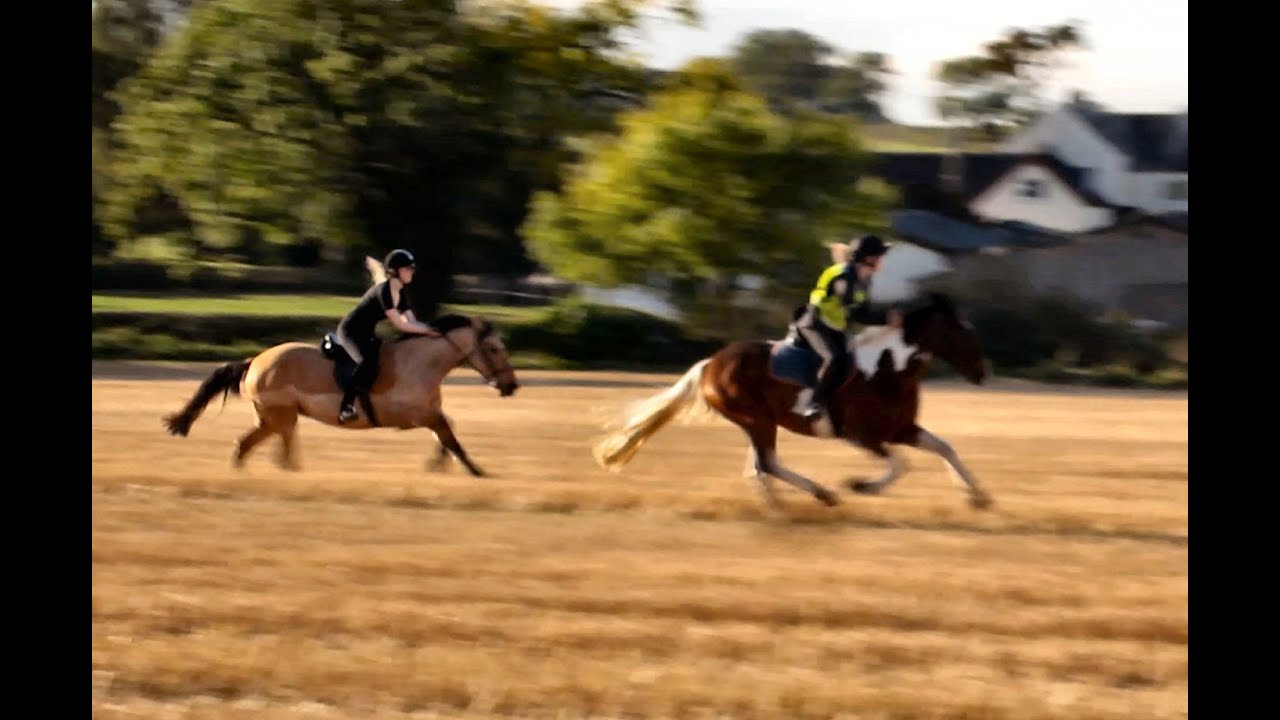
x=225 y=379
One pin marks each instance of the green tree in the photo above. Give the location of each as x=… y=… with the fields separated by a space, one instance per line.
x=700 y=191
x=783 y=65
x=999 y=90
x=856 y=86
x=795 y=68
x=124 y=33
x=365 y=124
x=228 y=119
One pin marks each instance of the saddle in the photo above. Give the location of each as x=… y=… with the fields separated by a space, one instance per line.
x=344 y=368
x=792 y=360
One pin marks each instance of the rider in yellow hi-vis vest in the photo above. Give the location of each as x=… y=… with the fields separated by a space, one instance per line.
x=839 y=305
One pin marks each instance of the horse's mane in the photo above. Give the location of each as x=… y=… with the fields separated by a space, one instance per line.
x=450 y=322
x=932 y=302
x=918 y=311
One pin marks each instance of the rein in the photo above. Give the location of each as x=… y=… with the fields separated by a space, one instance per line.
x=488 y=376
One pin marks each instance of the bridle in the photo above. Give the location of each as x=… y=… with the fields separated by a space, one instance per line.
x=488 y=372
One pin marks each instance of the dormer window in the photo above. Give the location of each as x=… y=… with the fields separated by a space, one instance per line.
x=1031 y=189
x=1176 y=190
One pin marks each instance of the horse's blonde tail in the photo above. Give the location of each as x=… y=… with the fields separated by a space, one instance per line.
x=682 y=400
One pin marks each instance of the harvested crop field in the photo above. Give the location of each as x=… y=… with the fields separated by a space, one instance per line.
x=365 y=586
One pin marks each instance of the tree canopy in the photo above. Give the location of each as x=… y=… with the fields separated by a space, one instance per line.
x=704 y=188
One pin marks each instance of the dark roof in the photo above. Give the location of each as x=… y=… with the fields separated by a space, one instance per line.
x=979 y=171
x=1174 y=220
x=950 y=236
x=1126 y=217
x=1154 y=142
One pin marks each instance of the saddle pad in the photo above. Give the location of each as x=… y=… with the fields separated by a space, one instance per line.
x=793 y=364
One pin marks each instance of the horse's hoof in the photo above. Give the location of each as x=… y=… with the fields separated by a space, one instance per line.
x=827 y=498
x=865 y=487
x=981 y=501
x=437 y=465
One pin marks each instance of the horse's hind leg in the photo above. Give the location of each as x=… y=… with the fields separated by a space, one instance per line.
x=764 y=481
x=287 y=426
x=439 y=424
x=248 y=442
x=894 y=471
x=269 y=422
x=764 y=440
x=283 y=420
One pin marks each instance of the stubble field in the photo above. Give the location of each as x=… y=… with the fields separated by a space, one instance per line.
x=364 y=586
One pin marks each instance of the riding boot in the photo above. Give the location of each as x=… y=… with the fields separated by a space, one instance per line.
x=821 y=392
x=347 y=412
x=821 y=400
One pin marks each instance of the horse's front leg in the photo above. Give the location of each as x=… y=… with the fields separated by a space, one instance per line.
x=439 y=424
x=441 y=458
x=927 y=441
x=438 y=461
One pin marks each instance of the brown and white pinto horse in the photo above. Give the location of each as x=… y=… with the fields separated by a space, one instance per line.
x=753 y=385
x=297 y=378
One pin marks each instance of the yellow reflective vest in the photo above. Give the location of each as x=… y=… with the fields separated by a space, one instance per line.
x=831 y=306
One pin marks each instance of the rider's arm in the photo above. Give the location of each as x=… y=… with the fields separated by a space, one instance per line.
x=857 y=305
x=400 y=321
x=864 y=314
x=405 y=325
x=408 y=314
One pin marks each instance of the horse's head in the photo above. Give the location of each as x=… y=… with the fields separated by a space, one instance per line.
x=483 y=349
x=494 y=355
x=938 y=329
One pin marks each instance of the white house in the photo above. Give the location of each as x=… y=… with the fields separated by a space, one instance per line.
x=1036 y=189
x=904 y=266
x=1082 y=200
x=1133 y=160
x=1036 y=192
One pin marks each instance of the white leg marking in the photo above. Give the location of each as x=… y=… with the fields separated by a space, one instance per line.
x=932 y=443
x=764 y=482
x=775 y=468
x=802 y=400
x=894 y=471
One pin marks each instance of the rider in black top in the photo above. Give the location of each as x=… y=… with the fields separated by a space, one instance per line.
x=385 y=300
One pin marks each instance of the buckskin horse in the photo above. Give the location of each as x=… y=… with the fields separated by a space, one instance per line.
x=296 y=378
x=757 y=385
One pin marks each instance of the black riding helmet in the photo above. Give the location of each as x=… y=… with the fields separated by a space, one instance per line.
x=397 y=259
x=868 y=246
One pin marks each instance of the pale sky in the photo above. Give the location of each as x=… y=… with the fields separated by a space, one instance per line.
x=1136 y=60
